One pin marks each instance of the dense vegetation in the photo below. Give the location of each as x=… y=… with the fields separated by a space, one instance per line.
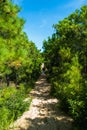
x=19 y=63
x=66 y=62
x=65 y=56
x=12 y=105
x=19 y=57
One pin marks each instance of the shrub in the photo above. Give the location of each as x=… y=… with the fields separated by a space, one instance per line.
x=12 y=105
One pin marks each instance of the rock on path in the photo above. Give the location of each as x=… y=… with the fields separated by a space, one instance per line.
x=43 y=113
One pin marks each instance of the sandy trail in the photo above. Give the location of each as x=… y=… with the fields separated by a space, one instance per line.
x=43 y=113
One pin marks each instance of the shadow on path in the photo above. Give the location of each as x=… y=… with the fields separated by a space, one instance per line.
x=43 y=113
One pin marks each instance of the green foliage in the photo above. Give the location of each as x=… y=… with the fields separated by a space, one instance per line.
x=4 y=113
x=18 y=55
x=66 y=61
x=12 y=105
x=19 y=59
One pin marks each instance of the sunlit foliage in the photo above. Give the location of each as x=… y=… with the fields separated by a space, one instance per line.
x=66 y=61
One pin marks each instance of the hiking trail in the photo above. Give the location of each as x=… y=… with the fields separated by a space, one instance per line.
x=43 y=113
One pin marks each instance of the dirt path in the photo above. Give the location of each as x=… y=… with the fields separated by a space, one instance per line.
x=43 y=113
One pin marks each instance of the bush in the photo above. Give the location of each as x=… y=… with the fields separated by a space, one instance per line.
x=72 y=90
x=12 y=105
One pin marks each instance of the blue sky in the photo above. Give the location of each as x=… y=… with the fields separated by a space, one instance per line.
x=40 y=15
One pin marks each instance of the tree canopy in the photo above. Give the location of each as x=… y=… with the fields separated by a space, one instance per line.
x=66 y=61
x=17 y=53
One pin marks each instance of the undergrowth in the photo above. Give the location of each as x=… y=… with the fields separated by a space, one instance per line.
x=12 y=104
